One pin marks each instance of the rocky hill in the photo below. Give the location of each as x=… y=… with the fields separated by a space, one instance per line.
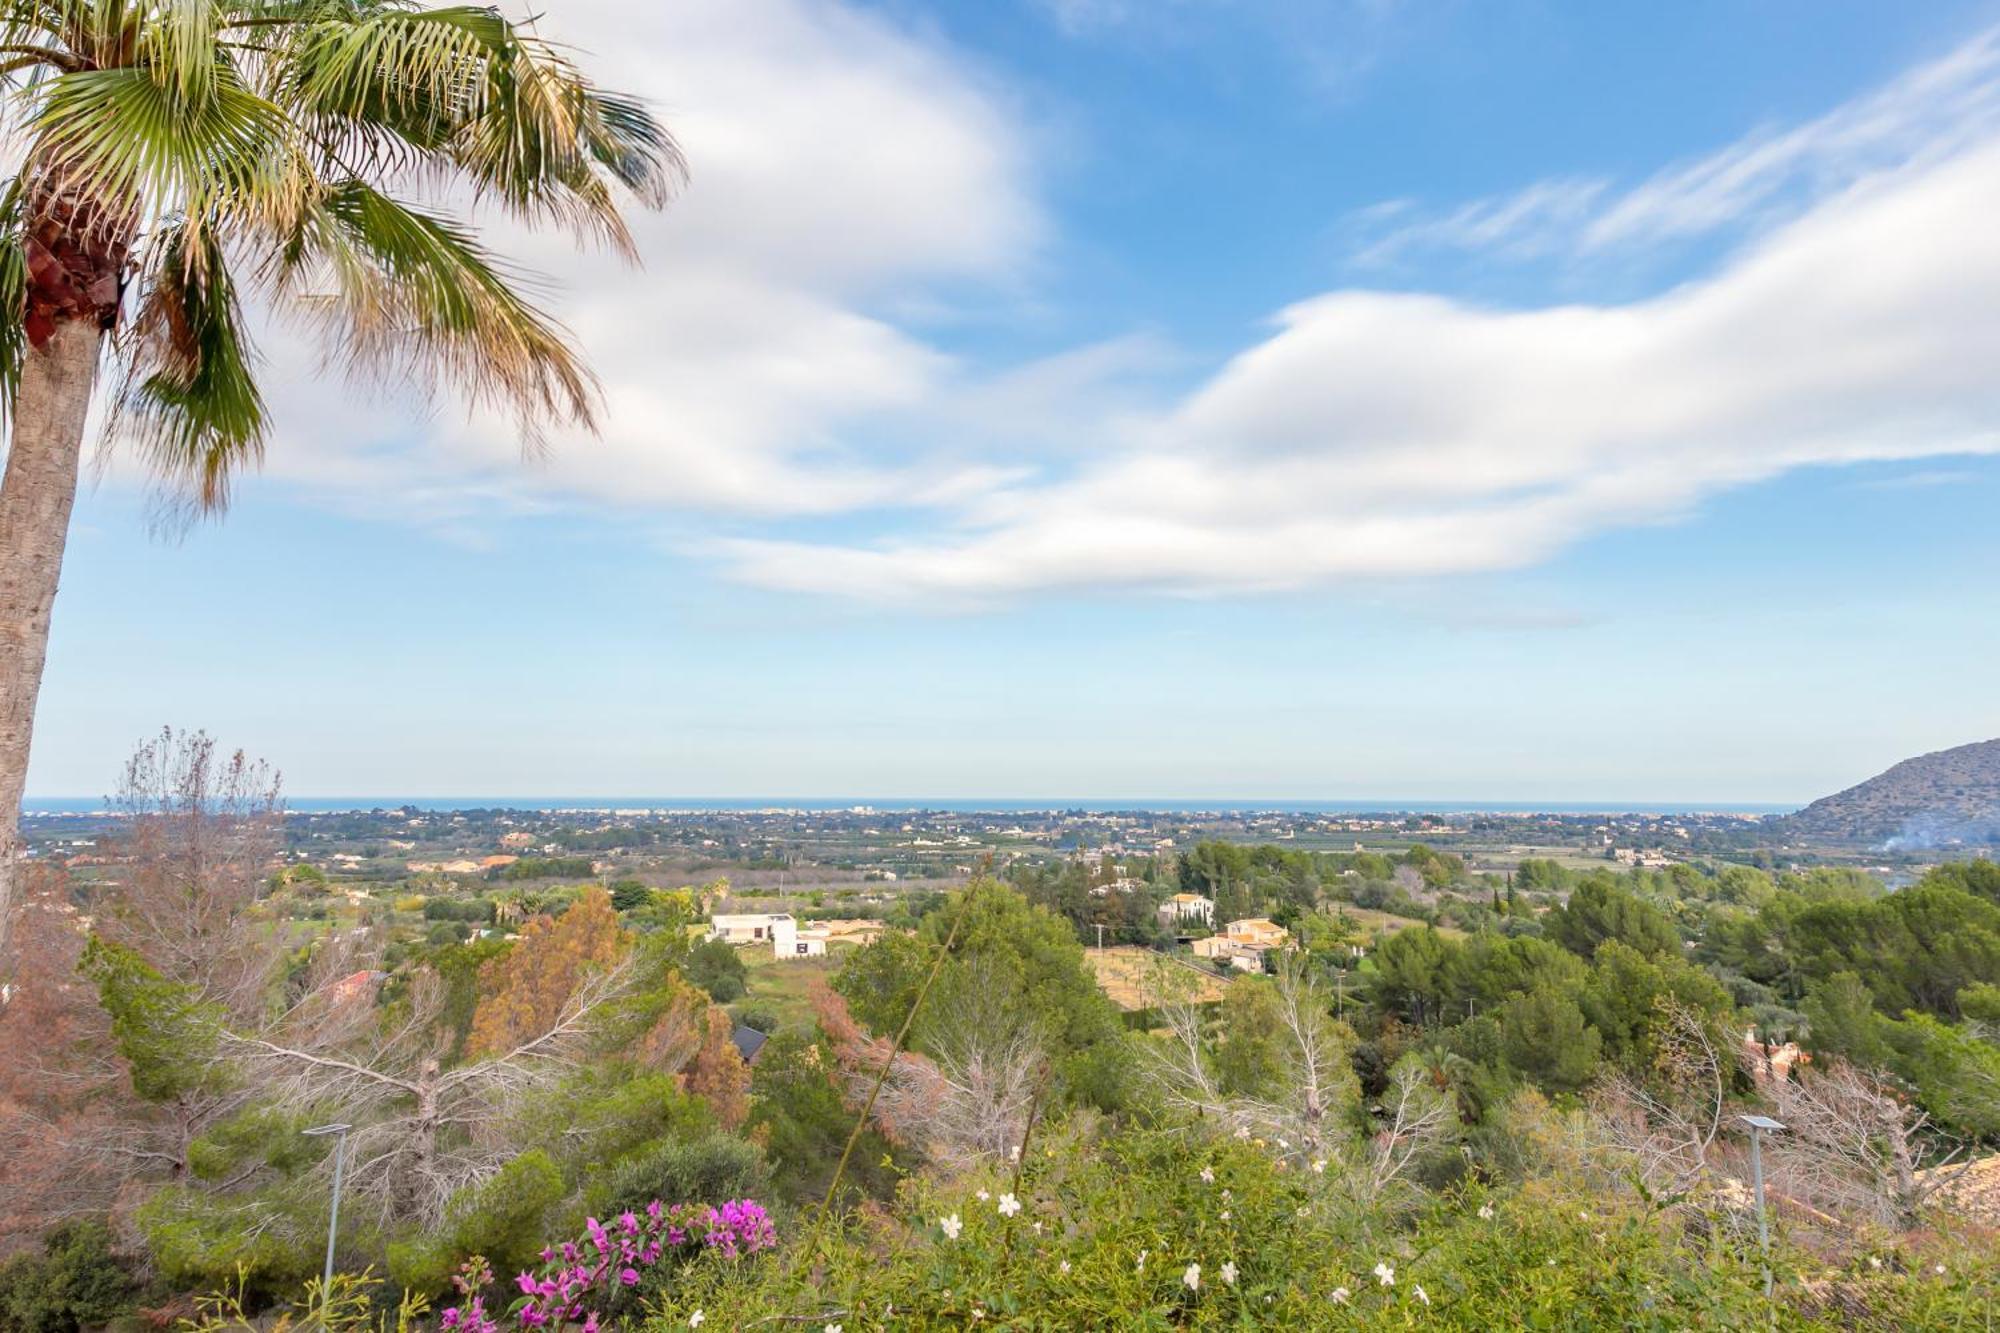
x=1950 y=798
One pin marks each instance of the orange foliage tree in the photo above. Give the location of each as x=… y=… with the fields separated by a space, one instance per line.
x=524 y=990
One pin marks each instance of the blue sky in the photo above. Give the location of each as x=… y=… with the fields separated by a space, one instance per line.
x=1188 y=398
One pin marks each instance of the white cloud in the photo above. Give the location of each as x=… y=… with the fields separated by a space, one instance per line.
x=836 y=164
x=1386 y=435
x=1930 y=112
x=842 y=168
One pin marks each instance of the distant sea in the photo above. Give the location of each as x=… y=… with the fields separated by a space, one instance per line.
x=74 y=805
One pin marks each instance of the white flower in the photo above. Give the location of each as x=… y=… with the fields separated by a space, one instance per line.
x=697 y=1319
x=1038 y=1226
x=951 y=1226
x=1486 y=1212
x=983 y=1196
x=1940 y=1270
x=1304 y=1211
x=1874 y=1261
x=1340 y=1295
x=833 y=1328
x=1229 y=1272
x=1386 y=1273
x=1063 y=1267
x=1142 y=1259
x=1014 y=1153
x=1192 y=1278
x=1285 y=1145
x=1419 y=1291
x=1243 y=1131
x=1009 y=1205
x=1208 y=1175
x=1319 y=1166
x=1225 y=1214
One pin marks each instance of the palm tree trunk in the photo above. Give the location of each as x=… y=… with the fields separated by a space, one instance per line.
x=45 y=445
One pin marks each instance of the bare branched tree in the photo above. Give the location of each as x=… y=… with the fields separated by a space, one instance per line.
x=422 y=1131
x=1417 y=1119
x=971 y=1099
x=1315 y=1080
x=1664 y=1127
x=1854 y=1147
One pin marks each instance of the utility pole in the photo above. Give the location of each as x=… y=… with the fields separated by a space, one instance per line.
x=333 y=1214
x=1100 y=936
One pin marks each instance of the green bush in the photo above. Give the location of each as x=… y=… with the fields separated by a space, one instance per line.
x=706 y=1170
x=76 y=1282
x=507 y=1219
x=204 y=1242
x=1149 y=1230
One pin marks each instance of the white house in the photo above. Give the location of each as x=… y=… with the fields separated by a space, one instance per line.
x=744 y=927
x=788 y=938
x=791 y=940
x=1185 y=907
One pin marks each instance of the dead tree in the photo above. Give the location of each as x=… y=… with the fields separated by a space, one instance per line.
x=422 y=1132
x=1853 y=1147
x=1663 y=1128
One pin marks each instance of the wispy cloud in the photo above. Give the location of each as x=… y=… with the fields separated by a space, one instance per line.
x=1932 y=111
x=1381 y=435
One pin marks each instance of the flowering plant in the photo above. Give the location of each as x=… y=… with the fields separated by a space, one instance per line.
x=578 y=1275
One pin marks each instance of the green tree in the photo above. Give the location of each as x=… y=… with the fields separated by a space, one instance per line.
x=802 y=1121
x=1841 y=1020
x=176 y=159
x=717 y=968
x=1600 y=910
x=76 y=1282
x=1544 y=1035
x=1250 y=1056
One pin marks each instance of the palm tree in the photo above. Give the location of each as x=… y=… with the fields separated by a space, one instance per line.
x=182 y=156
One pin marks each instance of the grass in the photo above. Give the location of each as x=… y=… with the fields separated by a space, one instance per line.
x=1125 y=973
x=783 y=985
x=1369 y=920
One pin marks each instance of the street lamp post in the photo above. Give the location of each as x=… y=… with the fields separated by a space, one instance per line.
x=339 y=1131
x=1760 y=1125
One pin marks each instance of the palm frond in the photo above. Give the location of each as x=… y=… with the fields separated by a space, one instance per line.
x=13 y=296
x=542 y=130
x=412 y=294
x=190 y=398
x=136 y=145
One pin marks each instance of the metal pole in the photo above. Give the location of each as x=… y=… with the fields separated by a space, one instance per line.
x=333 y=1222
x=1763 y=1224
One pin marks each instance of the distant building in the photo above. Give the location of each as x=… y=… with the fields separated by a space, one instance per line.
x=1183 y=908
x=518 y=840
x=743 y=927
x=1770 y=1063
x=1243 y=943
x=787 y=938
x=791 y=940
x=1222 y=949
x=1255 y=932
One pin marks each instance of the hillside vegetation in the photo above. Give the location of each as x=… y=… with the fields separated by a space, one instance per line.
x=1452 y=1099
x=1934 y=800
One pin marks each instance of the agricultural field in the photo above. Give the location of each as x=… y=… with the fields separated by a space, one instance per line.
x=1126 y=973
x=783 y=985
x=1368 y=920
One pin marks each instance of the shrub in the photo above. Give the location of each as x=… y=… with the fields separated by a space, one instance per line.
x=503 y=1219
x=74 y=1283
x=716 y=1166
x=1150 y=1230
